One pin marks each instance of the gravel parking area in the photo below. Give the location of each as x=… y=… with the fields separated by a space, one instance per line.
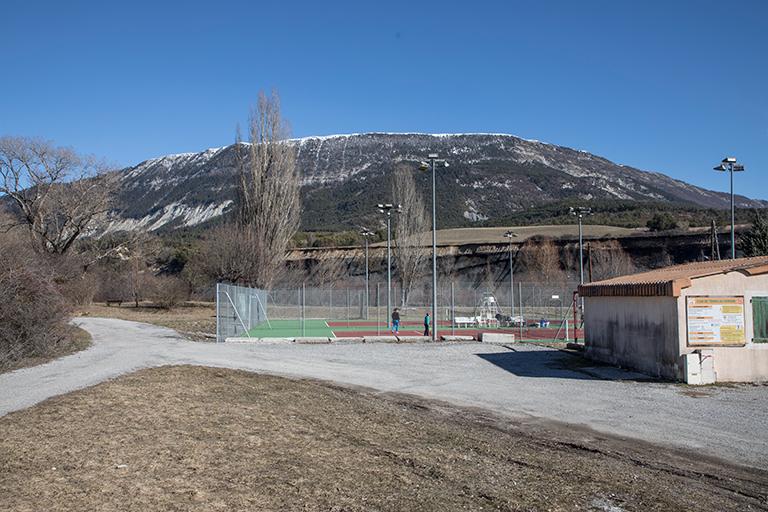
x=522 y=383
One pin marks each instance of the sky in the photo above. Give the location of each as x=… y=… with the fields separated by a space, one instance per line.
x=670 y=86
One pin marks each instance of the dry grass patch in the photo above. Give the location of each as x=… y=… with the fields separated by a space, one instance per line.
x=191 y=438
x=75 y=340
x=191 y=319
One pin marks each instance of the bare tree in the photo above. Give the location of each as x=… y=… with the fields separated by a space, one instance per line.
x=409 y=249
x=611 y=260
x=540 y=257
x=268 y=209
x=57 y=192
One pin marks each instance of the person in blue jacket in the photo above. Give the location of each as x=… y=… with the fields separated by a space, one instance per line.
x=426 y=324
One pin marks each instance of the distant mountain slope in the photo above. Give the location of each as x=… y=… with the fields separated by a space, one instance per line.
x=490 y=176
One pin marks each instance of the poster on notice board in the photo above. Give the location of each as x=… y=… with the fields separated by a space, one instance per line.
x=715 y=320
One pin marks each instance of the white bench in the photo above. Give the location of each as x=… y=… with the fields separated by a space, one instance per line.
x=465 y=321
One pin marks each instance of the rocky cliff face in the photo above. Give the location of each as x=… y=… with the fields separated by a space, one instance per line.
x=490 y=176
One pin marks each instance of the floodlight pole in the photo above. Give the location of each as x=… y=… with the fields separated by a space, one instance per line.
x=581 y=253
x=386 y=209
x=389 y=267
x=729 y=164
x=366 y=233
x=434 y=253
x=580 y=213
x=511 y=235
x=733 y=218
x=367 y=293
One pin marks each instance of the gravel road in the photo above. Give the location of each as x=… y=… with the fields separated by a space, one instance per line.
x=730 y=422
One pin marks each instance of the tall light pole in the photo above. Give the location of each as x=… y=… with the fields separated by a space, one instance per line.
x=510 y=235
x=581 y=212
x=365 y=233
x=387 y=209
x=729 y=164
x=433 y=159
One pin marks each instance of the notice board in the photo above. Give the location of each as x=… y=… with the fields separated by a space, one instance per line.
x=715 y=320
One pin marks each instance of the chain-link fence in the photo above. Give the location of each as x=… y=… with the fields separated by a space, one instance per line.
x=239 y=310
x=532 y=311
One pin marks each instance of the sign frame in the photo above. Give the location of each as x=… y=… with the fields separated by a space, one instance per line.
x=718 y=343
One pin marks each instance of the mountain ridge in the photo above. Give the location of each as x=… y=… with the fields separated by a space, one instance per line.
x=491 y=176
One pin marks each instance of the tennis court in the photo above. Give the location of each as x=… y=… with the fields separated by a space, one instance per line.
x=315 y=327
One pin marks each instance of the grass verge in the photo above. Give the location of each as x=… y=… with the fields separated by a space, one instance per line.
x=193 y=438
x=75 y=340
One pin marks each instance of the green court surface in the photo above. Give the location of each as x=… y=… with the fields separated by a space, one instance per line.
x=288 y=328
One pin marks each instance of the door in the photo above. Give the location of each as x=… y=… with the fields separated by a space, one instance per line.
x=760 y=319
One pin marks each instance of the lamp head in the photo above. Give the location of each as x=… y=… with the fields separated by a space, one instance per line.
x=729 y=160
x=423 y=166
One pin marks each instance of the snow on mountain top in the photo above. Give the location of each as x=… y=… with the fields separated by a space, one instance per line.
x=439 y=135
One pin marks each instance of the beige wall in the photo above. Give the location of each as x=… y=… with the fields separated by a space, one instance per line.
x=634 y=332
x=735 y=364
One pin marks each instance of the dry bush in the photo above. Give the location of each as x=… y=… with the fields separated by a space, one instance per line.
x=221 y=255
x=32 y=315
x=168 y=291
x=113 y=285
x=540 y=257
x=610 y=260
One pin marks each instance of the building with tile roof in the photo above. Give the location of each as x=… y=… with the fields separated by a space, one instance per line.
x=698 y=321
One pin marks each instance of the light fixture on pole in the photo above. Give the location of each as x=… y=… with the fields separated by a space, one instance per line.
x=366 y=233
x=387 y=210
x=510 y=235
x=729 y=164
x=433 y=160
x=581 y=212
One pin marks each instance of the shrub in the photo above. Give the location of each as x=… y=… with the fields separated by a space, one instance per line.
x=662 y=222
x=32 y=314
x=168 y=291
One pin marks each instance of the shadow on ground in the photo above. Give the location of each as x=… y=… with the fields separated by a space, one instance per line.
x=556 y=364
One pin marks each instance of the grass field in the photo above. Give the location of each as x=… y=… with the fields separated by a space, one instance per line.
x=496 y=234
x=193 y=438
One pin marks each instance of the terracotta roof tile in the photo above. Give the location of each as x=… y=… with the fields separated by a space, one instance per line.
x=668 y=281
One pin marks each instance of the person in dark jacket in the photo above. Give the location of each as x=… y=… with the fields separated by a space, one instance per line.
x=426 y=324
x=396 y=321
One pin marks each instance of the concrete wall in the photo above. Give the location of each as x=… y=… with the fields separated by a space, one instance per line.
x=732 y=364
x=634 y=332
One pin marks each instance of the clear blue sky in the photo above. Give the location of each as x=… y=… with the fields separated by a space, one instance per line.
x=661 y=85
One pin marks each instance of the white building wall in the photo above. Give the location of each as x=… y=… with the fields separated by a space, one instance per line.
x=732 y=364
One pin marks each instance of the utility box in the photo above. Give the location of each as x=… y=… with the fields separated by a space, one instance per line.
x=699 y=367
x=692 y=368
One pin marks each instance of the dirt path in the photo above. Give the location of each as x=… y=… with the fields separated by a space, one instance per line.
x=192 y=438
x=526 y=382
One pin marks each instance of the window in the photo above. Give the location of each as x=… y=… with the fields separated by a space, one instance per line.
x=760 y=319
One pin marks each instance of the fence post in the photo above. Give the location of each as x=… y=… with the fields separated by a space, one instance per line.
x=520 y=302
x=347 y=307
x=303 y=309
x=378 y=310
x=218 y=315
x=453 y=311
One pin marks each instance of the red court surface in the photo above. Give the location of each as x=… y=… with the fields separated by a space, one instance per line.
x=373 y=323
x=528 y=334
